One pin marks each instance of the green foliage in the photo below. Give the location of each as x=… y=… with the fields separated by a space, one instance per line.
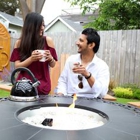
x=85 y=5
x=127 y=91
x=118 y=14
x=132 y=86
x=123 y=92
x=135 y=89
x=113 y=14
x=136 y=94
x=9 y=6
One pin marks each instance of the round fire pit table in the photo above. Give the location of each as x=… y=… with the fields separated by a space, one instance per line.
x=122 y=121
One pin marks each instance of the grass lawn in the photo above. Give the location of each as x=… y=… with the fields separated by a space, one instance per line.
x=125 y=101
x=4 y=93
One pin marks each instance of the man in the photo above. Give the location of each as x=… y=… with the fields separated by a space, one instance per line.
x=84 y=73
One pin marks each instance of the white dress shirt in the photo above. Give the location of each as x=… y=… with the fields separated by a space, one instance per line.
x=68 y=81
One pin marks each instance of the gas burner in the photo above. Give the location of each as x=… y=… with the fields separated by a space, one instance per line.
x=63 y=118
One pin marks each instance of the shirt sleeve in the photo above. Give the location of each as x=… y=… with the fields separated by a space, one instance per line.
x=15 y=55
x=62 y=81
x=100 y=87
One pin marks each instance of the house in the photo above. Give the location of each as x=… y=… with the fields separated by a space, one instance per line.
x=12 y=23
x=71 y=20
x=75 y=15
x=79 y=18
x=61 y=24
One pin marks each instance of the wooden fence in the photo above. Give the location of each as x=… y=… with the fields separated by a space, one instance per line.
x=120 y=49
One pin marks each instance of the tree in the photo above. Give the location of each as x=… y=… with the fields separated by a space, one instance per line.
x=85 y=5
x=113 y=14
x=9 y=6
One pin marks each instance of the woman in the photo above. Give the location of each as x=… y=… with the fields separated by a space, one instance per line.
x=26 y=54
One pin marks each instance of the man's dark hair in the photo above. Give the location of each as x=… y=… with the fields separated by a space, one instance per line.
x=92 y=36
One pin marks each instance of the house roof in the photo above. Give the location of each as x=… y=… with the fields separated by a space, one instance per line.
x=78 y=17
x=70 y=24
x=12 y=19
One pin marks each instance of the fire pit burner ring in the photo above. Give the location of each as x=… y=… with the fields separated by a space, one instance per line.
x=63 y=118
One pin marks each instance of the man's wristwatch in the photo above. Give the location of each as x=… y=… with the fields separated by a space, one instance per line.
x=87 y=77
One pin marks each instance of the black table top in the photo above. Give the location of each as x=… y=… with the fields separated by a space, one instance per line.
x=123 y=122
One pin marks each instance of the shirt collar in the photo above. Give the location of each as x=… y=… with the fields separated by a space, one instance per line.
x=94 y=60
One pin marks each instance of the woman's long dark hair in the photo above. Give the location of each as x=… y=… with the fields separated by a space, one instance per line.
x=30 y=38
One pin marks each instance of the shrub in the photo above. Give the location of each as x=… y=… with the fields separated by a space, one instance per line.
x=136 y=94
x=111 y=85
x=132 y=86
x=123 y=92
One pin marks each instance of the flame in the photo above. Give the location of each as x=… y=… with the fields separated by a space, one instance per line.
x=74 y=99
x=73 y=104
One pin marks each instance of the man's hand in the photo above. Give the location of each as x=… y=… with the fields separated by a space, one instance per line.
x=80 y=69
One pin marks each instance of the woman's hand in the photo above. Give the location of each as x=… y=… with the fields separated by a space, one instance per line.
x=36 y=55
x=48 y=55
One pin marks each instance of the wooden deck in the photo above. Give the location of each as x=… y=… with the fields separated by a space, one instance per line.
x=135 y=104
x=5 y=87
x=109 y=97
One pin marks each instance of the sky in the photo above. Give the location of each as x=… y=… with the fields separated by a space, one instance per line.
x=53 y=8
